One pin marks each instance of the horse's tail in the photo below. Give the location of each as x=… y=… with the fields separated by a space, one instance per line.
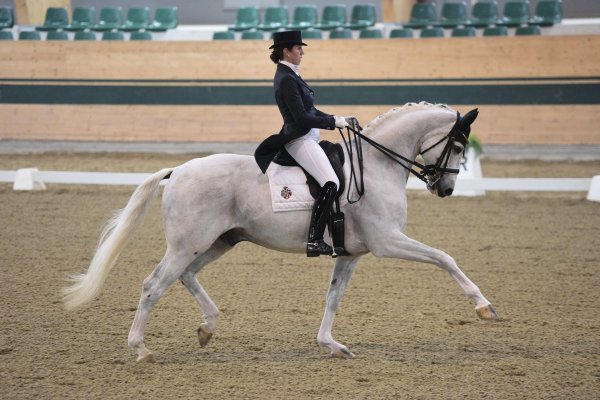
x=115 y=235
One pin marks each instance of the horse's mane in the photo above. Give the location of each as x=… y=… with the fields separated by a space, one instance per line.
x=402 y=110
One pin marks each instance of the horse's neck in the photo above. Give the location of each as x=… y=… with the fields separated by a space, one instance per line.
x=401 y=134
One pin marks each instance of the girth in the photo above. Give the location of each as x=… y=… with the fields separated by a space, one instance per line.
x=335 y=154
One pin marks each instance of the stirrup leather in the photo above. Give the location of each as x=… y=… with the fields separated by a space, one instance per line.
x=336 y=230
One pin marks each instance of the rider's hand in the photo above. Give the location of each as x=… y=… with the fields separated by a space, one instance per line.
x=340 y=122
x=353 y=122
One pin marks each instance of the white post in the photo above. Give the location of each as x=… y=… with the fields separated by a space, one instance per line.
x=594 y=192
x=471 y=169
x=25 y=179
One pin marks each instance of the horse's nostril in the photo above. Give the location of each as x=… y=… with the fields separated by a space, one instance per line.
x=448 y=192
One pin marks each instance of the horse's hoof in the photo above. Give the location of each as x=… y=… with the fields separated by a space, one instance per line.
x=146 y=358
x=487 y=313
x=203 y=336
x=342 y=353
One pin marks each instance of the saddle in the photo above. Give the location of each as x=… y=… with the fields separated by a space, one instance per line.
x=335 y=154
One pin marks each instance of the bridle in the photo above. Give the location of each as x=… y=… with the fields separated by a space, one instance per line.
x=430 y=173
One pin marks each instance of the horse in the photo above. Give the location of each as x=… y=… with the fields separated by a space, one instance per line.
x=209 y=204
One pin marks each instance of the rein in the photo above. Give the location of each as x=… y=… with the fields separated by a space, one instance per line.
x=430 y=173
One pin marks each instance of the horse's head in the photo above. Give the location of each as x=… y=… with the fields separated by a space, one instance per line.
x=443 y=151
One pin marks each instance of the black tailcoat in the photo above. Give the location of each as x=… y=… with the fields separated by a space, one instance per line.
x=295 y=102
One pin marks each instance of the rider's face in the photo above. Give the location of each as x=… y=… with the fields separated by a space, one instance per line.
x=293 y=56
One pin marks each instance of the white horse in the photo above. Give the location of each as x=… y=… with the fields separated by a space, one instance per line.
x=209 y=204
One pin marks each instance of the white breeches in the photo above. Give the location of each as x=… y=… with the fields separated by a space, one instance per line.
x=307 y=152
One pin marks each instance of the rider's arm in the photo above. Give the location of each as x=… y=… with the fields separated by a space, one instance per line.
x=290 y=92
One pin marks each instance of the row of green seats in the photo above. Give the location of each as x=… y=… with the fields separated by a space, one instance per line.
x=7 y=19
x=465 y=31
x=485 y=13
x=81 y=35
x=343 y=33
x=304 y=17
x=375 y=33
x=111 y=18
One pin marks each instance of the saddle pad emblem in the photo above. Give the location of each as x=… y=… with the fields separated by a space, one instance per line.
x=286 y=192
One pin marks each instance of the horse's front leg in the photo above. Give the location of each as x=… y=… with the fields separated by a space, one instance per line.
x=342 y=271
x=401 y=246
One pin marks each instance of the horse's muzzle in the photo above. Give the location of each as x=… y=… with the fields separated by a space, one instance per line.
x=447 y=192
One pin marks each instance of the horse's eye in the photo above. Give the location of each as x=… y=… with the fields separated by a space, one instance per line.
x=457 y=149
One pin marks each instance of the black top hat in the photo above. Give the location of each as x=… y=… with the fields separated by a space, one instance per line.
x=287 y=38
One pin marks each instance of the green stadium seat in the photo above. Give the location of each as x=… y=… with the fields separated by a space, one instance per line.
x=484 y=13
x=226 y=35
x=363 y=16
x=7 y=19
x=138 y=18
x=6 y=35
x=57 y=35
x=401 y=33
x=422 y=15
x=29 y=35
x=495 y=31
x=532 y=30
x=333 y=17
x=276 y=17
x=341 y=34
x=435 y=32
x=165 y=18
x=312 y=34
x=110 y=18
x=305 y=17
x=253 y=35
x=453 y=14
x=466 y=31
x=246 y=18
x=56 y=19
x=83 y=18
x=140 y=36
x=85 y=35
x=370 y=33
x=118 y=35
x=547 y=13
x=516 y=13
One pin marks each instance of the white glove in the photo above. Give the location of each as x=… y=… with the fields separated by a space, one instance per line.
x=352 y=122
x=340 y=122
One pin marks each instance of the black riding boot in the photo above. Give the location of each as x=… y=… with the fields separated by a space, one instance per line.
x=320 y=215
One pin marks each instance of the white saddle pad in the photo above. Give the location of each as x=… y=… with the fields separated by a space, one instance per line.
x=289 y=191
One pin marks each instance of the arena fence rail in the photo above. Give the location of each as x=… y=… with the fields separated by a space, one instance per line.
x=32 y=179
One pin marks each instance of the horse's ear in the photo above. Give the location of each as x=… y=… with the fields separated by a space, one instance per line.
x=468 y=118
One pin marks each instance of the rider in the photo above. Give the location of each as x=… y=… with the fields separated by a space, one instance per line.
x=299 y=135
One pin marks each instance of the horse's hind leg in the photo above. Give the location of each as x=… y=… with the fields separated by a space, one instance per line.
x=168 y=271
x=210 y=312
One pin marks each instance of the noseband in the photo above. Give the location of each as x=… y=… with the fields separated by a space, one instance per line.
x=430 y=173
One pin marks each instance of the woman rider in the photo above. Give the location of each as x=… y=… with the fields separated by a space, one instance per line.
x=299 y=135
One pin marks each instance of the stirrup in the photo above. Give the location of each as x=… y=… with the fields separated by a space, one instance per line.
x=317 y=248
